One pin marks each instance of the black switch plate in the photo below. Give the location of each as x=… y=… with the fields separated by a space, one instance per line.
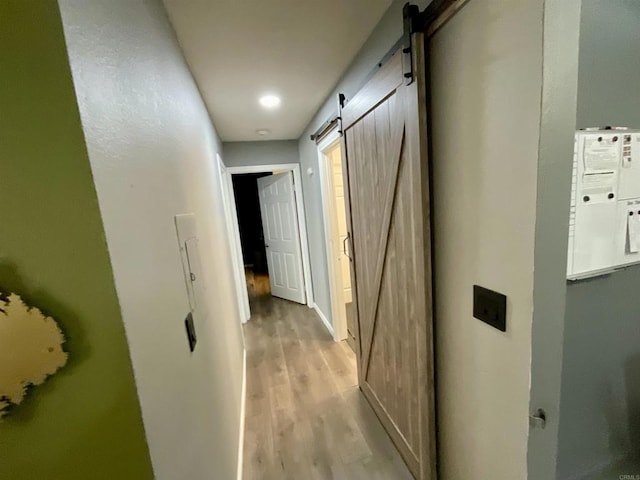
x=191 y=332
x=490 y=307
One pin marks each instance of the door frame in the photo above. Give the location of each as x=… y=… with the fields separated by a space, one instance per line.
x=233 y=237
x=240 y=280
x=338 y=314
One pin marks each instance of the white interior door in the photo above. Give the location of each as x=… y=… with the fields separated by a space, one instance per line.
x=335 y=157
x=282 y=236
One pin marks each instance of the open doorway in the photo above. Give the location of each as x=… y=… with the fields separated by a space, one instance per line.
x=337 y=239
x=266 y=217
x=254 y=252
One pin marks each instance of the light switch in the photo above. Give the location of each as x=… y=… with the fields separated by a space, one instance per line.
x=490 y=307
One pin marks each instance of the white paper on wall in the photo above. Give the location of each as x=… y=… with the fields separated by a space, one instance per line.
x=604 y=227
x=633 y=232
x=600 y=156
x=598 y=186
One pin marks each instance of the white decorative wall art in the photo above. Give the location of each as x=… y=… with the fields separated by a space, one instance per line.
x=30 y=350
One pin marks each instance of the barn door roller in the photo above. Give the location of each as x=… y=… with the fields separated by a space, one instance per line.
x=412 y=24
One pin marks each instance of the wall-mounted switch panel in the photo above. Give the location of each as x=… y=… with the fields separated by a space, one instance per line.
x=490 y=307
x=192 y=271
x=604 y=226
x=191 y=332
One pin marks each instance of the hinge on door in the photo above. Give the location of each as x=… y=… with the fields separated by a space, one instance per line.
x=411 y=22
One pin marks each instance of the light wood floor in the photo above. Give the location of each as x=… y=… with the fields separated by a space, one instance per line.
x=306 y=418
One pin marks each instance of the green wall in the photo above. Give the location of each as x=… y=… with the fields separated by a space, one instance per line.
x=85 y=422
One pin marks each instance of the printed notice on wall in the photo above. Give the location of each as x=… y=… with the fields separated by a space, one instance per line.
x=597 y=182
x=598 y=187
x=601 y=155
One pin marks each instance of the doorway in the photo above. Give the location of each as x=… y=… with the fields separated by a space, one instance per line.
x=268 y=211
x=254 y=254
x=337 y=239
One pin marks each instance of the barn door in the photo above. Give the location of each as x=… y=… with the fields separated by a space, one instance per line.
x=385 y=136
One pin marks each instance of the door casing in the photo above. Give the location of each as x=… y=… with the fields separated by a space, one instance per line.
x=338 y=312
x=233 y=237
x=241 y=284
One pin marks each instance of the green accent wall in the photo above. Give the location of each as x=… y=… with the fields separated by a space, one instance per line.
x=84 y=422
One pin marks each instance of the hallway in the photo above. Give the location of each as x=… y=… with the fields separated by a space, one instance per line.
x=305 y=416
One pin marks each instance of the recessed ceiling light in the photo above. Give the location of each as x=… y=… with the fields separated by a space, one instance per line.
x=270 y=102
x=263 y=132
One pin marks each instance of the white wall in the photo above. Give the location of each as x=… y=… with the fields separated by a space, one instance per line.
x=486 y=93
x=242 y=154
x=152 y=150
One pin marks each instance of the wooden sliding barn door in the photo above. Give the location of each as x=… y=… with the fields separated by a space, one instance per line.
x=384 y=129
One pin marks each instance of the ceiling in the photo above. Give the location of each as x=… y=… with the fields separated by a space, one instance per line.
x=239 y=50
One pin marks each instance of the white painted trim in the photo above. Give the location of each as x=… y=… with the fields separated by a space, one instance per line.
x=274 y=167
x=234 y=240
x=338 y=312
x=242 y=282
x=304 y=242
x=325 y=320
x=243 y=406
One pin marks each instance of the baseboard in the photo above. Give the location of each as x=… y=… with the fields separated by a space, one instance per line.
x=326 y=322
x=243 y=402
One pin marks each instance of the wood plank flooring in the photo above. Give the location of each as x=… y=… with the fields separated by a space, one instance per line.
x=306 y=417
